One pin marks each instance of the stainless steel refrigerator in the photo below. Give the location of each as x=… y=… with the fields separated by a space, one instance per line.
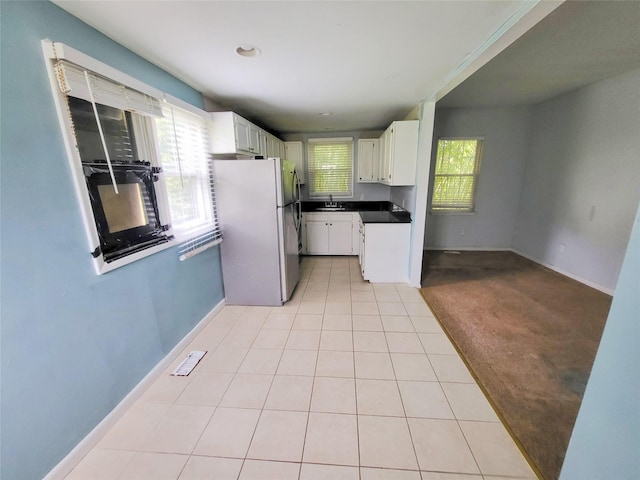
x=259 y=210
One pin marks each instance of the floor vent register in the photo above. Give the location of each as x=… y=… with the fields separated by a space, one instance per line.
x=189 y=363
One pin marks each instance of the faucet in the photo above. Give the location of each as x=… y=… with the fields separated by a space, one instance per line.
x=331 y=203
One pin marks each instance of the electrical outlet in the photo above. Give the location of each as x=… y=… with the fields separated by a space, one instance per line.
x=362 y=196
x=462 y=232
x=562 y=248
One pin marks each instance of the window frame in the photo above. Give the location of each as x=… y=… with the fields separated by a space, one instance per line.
x=471 y=210
x=311 y=171
x=146 y=142
x=192 y=233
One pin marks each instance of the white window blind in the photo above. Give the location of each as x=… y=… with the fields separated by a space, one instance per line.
x=183 y=147
x=72 y=81
x=330 y=167
x=457 y=164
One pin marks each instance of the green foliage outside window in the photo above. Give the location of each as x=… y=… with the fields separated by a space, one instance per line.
x=457 y=163
x=330 y=166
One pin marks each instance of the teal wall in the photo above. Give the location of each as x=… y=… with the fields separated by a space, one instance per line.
x=73 y=344
x=605 y=443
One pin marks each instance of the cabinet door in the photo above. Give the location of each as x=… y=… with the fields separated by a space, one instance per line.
x=254 y=139
x=293 y=153
x=368 y=160
x=340 y=237
x=404 y=152
x=361 y=253
x=317 y=237
x=242 y=134
x=263 y=143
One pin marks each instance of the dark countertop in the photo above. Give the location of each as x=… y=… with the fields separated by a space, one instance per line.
x=370 y=212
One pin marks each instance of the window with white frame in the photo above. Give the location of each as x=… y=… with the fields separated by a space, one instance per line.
x=456 y=174
x=137 y=170
x=330 y=167
x=183 y=150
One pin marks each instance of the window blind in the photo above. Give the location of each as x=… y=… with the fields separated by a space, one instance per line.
x=72 y=82
x=330 y=167
x=183 y=146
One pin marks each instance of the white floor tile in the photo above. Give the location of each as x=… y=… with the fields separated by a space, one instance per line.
x=424 y=400
x=228 y=434
x=331 y=439
x=337 y=321
x=437 y=343
x=159 y=466
x=279 y=436
x=207 y=468
x=271 y=339
x=291 y=393
x=494 y=450
x=308 y=321
x=450 y=368
x=379 y=397
x=440 y=446
x=334 y=395
x=247 y=391
x=262 y=470
x=334 y=364
x=385 y=442
x=101 y=464
x=367 y=323
x=343 y=382
x=263 y=361
x=412 y=366
x=469 y=403
x=397 y=323
x=336 y=340
x=368 y=473
x=178 y=430
x=311 y=471
x=376 y=366
x=370 y=342
x=303 y=340
x=404 y=342
x=298 y=362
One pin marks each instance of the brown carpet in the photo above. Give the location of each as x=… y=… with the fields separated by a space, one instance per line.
x=529 y=336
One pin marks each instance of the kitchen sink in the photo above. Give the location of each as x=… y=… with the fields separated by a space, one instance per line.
x=331 y=209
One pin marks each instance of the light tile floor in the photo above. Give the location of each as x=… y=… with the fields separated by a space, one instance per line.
x=348 y=380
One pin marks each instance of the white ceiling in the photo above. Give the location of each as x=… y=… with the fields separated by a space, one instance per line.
x=366 y=62
x=577 y=44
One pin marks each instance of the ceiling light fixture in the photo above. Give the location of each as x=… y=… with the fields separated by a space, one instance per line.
x=324 y=114
x=247 y=51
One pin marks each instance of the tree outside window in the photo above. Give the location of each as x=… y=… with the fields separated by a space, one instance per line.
x=456 y=174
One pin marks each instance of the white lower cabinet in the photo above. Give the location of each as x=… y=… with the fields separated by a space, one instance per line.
x=329 y=233
x=384 y=251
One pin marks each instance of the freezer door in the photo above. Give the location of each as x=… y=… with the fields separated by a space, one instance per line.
x=250 y=253
x=290 y=265
x=290 y=191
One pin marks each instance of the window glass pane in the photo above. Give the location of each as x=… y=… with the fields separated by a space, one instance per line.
x=115 y=126
x=455 y=177
x=183 y=153
x=330 y=168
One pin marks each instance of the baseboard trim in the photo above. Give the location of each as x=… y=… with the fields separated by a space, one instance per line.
x=584 y=281
x=64 y=467
x=469 y=249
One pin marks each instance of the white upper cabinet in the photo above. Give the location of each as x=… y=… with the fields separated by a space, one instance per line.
x=368 y=155
x=295 y=154
x=398 y=153
x=254 y=139
x=230 y=133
